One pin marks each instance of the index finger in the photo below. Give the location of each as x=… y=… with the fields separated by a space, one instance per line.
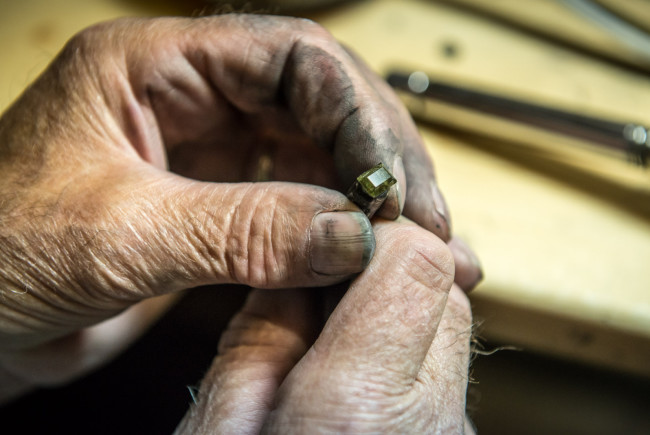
x=339 y=102
x=273 y=68
x=422 y=202
x=297 y=64
x=279 y=73
x=388 y=319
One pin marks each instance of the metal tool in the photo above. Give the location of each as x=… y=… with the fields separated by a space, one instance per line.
x=629 y=138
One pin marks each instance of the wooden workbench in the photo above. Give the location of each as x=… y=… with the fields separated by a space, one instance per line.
x=564 y=236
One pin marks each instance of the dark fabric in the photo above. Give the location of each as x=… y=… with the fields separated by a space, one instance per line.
x=144 y=391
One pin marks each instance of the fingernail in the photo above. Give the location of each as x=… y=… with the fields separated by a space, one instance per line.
x=400 y=175
x=441 y=216
x=394 y=204
x=469 y=272
x=340 y=243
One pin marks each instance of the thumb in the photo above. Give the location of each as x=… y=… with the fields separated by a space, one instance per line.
x=166 y=233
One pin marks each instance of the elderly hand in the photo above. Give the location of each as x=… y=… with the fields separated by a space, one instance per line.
x=393 y=356
x=93 y=222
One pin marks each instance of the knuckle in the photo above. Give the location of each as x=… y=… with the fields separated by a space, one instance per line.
x=322 y=81
x=100 y=40
x=425 y=257
x=311 y=29
x=306 y=28
x=82 y=58
x=311 y=38
x=88 y=38
x=98 y=32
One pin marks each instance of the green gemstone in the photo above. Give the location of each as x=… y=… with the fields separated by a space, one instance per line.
x=376 y=181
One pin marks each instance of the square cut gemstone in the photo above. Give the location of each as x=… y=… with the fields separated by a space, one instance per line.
x=376 y=181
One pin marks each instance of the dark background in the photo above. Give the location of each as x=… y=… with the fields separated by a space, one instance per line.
x=145 y=390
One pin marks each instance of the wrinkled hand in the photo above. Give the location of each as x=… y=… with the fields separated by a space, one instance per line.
x=93 y=222
x=393 y=356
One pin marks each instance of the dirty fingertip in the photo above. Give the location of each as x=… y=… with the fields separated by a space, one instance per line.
x=441 y=219
x=341 y=243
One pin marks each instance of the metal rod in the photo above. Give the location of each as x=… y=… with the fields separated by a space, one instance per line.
x=627 y=137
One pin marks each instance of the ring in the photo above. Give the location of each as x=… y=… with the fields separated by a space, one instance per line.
x=370 y=189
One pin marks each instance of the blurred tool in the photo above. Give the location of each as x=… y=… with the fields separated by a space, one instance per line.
x=618 y=30
x=633 y=37
x=516 y=120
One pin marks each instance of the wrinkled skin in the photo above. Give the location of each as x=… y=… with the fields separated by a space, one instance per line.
x=392 y=357
x=124 y=170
